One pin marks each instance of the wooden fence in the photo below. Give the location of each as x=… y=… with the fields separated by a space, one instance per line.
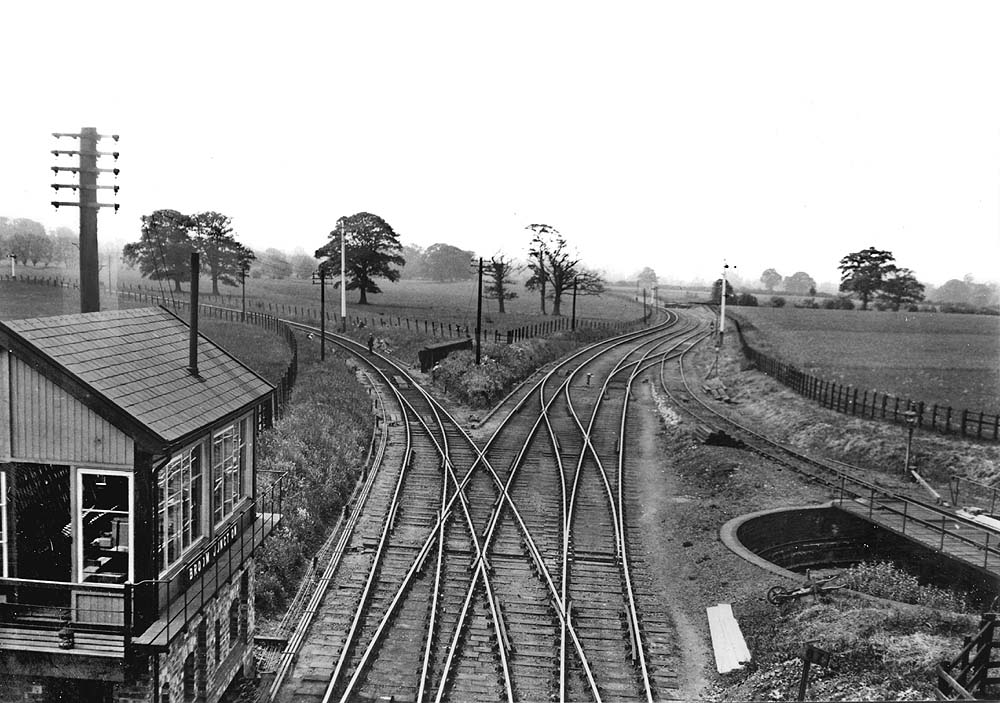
x=850 y=400
x=966 y=677
x=433 y=328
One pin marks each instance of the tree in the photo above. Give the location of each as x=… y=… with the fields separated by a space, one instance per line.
x=163 y=251
x=862 y=272
x=900 y=286
x=444 y=262
x=225 y=258
x=65 y=246
x=716 y=296
x=303 y=265
x=800 y=283
x=371 y=250
x=555 y=268
x=273 y=264
x=770 y=278
x=26 y=239
x=647 y=278
x=542 y=234
x=500 y=270
x=415 y=267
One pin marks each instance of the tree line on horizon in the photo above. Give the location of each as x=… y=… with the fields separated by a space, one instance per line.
x=550 y=268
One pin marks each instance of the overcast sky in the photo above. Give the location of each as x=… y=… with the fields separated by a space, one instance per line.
x=664 y=134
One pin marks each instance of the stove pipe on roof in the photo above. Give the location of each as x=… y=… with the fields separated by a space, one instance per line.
x=193 y=347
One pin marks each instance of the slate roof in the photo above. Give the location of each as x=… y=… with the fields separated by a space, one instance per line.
x=137 y=359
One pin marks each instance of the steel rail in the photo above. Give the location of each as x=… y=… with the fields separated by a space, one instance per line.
x=504 y=498
x=860 y=487
x=345 y=531
x=677 y=337
x=445 y=512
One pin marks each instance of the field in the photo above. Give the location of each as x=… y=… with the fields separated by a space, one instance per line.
x=419 y=300
x=265 y=353
x=940 y=358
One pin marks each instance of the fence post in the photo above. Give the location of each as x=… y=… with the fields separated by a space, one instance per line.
x=947 y=420
x=965 y=415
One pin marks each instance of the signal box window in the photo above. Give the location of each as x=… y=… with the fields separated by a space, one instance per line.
x=179 y=506
x=229 y=469
x=104 y=527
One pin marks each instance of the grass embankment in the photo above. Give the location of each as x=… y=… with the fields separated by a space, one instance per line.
x=321 y=444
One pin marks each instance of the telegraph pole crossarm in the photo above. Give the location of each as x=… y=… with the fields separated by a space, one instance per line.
x=87 y=187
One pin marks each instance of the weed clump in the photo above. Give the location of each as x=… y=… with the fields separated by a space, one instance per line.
x=884 y=580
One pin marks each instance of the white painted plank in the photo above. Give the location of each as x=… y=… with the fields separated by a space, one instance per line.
x=731 y=651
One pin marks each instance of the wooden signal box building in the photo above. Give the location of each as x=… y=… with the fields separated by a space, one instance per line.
x=129 y=510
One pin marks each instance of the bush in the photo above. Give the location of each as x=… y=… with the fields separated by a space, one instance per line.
x=885 y=580
x=777 y=301
x=839 y=303
x=503 y=366
x=320 y=443
x=746 y=299
x=809 y=303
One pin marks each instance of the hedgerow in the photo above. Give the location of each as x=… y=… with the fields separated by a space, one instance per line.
x=320 y=444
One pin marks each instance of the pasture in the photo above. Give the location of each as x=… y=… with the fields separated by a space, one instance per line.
x=453 y=303
x=264 y=352
x=947 y=359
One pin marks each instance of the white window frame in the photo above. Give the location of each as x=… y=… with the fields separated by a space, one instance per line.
x=195 y=541
x=3 y=524
x=78 y=518
x=242 y=450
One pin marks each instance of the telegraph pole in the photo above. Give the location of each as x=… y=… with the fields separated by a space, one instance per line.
x=343 y=282
x=243 y=286
x=572 y=324
x=320 y=278
x=87 y=170
x=479 y=314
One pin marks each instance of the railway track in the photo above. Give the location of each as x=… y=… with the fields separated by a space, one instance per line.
x=506 y=568
x=499 y=573
x=854 y=487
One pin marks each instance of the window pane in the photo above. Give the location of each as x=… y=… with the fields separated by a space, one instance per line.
x=104 y=521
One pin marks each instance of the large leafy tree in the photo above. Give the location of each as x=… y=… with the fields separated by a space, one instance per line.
x=647 y=278
x=224 y=257
x=26 y=239
x=862 y=272
x=556 y=269
x=371 y=251
x=770 y=278
x=163 y=251
x=271 y=263
x=415 y=267
x=899 y=287
x=444 y=262
x=499 y=270
x=800 y=283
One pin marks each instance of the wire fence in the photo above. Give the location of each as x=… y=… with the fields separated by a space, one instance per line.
x=434 y=328
x=848 y=399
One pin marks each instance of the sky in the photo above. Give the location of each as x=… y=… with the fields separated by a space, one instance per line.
x=663 y=134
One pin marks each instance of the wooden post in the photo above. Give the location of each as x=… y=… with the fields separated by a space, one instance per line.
x=90 y=287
